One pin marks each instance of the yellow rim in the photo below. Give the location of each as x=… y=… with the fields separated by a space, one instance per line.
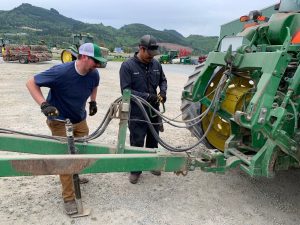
x=66 y=56
x=236 y=97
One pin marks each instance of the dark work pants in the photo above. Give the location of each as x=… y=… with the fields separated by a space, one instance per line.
x=139 y=131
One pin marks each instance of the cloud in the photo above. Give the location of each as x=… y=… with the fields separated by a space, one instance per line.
x=203 y=17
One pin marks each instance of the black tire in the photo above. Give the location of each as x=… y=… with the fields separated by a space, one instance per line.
x=23 y=60
x=191 y=110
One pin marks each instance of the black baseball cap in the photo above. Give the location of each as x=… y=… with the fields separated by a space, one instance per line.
x=149 y=42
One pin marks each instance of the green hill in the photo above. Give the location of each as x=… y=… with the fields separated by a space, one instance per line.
x=30 y=24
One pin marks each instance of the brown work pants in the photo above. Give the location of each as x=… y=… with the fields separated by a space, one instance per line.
x=58 y=129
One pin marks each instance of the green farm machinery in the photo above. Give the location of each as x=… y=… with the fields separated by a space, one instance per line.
x=168 y=56
x=186 y=60
x=246 y=96
x=70 y=54
x=242 y=103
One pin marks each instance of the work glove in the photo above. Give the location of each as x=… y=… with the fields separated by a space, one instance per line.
x=162 y=96
x=49 y=110
x=93 y=108
x=152 y=98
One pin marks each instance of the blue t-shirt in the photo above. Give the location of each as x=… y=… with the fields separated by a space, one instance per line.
x=69 y=90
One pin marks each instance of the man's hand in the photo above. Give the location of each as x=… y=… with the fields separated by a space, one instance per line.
x=49 y=110
x=93 y=108
x=162 y=96
x=152 y=98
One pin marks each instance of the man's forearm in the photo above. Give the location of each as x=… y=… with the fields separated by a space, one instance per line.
x=94 y=94
x=35 y=91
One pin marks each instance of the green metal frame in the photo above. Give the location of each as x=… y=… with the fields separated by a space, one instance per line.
x=168 y=56
x=51 y=157
x=274 y=129
x=92 y=158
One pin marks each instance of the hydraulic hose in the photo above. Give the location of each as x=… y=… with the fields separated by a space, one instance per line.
x=140 y=103
x=195 y=120
x=174 y=149
x=97 y=133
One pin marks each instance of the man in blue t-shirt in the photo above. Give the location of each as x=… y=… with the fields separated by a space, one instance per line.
x=70 y=84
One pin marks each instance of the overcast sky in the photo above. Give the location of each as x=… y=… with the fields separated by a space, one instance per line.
x=202 y=17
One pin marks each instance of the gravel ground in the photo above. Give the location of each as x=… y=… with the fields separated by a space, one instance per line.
x=198 y=198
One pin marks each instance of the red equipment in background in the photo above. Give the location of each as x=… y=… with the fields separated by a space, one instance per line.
x=184 y=52
x=202 y=58
x=26 y=53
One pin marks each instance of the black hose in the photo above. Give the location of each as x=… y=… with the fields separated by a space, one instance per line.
x=165 y=119
x=97 y=133
x=162 y=142
x=139 y=101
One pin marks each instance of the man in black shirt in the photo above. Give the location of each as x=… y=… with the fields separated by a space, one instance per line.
x=143 y=74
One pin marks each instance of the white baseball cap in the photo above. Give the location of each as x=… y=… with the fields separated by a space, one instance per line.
x=93 y=51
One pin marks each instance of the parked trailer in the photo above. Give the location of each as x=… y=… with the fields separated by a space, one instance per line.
x=26 y=53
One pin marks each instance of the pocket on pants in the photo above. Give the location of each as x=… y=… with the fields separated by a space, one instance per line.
x=57 y=128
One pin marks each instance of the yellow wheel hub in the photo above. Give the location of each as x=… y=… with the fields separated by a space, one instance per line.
x=66 y=56
x=236 y=97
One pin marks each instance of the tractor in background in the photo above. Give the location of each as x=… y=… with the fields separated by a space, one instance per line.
x=186 y=60
x=181 y=56
x=70 y=54
x=185 y=57
x=169 y=56
x=246 y=97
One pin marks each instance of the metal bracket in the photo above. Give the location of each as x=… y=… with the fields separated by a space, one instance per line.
x=71 y=148
x=262 y=115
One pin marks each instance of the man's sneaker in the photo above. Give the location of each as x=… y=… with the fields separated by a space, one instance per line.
x=134 y=177
x=70 y=207
x=156 y=173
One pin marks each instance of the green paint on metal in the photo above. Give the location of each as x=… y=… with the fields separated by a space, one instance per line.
x=33 y=145
x=22 y=165
x=123 y=114
x=264 y=132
